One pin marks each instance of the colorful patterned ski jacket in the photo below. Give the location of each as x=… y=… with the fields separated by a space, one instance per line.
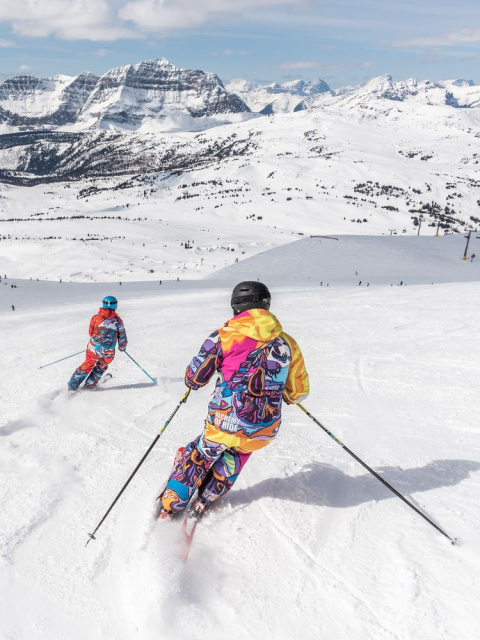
x=105 y=329
x=258 y=364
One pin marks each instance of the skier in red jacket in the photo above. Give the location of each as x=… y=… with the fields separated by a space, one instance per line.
x=105 y=329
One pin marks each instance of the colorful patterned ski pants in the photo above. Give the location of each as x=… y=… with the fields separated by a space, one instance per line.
x=208 y=466
x=94 y=366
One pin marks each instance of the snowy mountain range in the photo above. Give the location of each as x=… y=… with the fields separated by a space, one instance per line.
x=140 y=96
x=155 y=95
x=377 y=158
x=453 y=93
x=294 y=95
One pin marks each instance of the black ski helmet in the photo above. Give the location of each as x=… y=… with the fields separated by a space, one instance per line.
x=250 y=295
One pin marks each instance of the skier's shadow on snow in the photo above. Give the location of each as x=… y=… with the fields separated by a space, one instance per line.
x=325 y=485
x=13 y=427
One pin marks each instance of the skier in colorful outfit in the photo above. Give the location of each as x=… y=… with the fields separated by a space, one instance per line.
x=258 y=365
x=106 y=327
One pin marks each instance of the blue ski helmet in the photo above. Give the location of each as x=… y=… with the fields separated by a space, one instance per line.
x=109 y=302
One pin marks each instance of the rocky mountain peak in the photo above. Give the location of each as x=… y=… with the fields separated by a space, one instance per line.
x=147 y=93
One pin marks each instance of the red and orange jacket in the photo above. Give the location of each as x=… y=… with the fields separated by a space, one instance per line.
x=105 y=329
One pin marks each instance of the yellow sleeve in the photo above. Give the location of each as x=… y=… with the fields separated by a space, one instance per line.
x=297 y=386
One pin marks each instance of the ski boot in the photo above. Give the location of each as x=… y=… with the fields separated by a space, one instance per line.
x=165 y=514
x=197 y=509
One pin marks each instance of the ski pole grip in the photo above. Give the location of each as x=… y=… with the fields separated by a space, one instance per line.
x=185 y=396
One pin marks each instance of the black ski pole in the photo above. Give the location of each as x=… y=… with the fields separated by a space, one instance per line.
x=184 y=399
x=374 y=473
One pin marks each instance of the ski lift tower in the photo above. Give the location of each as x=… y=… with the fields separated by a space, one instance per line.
x=468 y=240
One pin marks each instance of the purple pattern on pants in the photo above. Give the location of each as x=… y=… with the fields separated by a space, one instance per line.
x=209 y=466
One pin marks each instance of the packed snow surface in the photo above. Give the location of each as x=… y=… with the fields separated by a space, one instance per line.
x=308 y=544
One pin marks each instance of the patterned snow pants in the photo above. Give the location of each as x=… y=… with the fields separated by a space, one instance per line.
x=208 y=466
x=93 y=365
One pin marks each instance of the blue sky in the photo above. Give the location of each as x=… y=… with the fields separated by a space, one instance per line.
x=342 y=41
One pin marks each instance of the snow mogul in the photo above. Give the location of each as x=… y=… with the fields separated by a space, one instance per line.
x=106 y=328
x=258 y=365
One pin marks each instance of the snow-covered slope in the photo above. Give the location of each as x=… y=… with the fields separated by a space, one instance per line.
x=321 y=171
x=308 y=544
x=390 y=260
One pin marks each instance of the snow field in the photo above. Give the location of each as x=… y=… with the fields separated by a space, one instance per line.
x=297 y=174
x=307 y=544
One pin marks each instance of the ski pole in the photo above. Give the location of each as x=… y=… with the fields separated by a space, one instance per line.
x=73 y=354
x=183 y=399
x=152 y=379
x=374 y=473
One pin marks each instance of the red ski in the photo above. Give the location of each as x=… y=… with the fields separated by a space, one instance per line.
x=189 y=525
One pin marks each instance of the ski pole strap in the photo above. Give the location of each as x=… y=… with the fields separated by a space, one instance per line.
x=374 y=473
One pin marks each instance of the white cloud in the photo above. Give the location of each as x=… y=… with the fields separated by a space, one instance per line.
x=228 y=52
x=101 y=53
x=166 y=15
x=367 y=64
x=24 y=67
x=453 y=39
x=108 y=20
x=6 y=43
x=308 y=65
x=231 y=52
x=65 y=19
x=300 y=65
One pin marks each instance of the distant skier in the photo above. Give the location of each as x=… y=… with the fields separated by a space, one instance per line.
x=13 y=308
x=257 y=365
x=472 y=257
x=106 y=327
